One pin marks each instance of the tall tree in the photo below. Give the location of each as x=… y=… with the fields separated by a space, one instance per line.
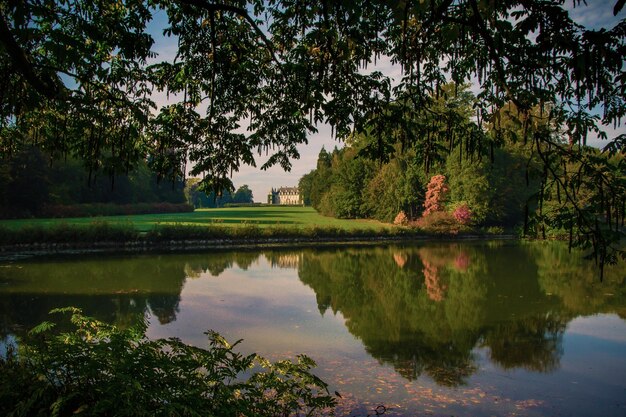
x=243 y=195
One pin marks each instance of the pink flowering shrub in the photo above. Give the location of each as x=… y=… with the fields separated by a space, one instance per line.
x=462 y=214
x=435 y=194
x=401 y=219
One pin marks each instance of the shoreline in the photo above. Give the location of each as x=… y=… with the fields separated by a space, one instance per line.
x=33 y=250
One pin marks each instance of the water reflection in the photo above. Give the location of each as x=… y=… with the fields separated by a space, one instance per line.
x=115 y=290
x=424 y=310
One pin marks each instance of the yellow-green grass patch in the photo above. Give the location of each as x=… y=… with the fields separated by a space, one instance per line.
x=264 y=216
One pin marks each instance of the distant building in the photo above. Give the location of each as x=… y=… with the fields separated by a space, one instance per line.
x=284 y=195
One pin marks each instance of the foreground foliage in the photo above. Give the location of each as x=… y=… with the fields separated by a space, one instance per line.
x=97 y=369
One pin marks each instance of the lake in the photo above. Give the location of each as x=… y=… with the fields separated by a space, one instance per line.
x=444 y=329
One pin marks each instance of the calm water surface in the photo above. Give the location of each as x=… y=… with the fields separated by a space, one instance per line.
x=477 y=329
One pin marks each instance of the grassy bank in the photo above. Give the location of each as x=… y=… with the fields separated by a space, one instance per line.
x=81 y=235
x=228 y=227
x=261 y=217
x=239 y=224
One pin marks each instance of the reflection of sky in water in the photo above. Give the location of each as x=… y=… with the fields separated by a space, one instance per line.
x=278 y=316
x=590 y=380
x=600 y=326
x=267 y=307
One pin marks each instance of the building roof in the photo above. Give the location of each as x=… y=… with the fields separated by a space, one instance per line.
x=287 y=190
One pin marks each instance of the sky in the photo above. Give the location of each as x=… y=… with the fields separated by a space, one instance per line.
x=597 y=14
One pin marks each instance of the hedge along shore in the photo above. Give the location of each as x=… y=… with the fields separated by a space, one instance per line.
x=102 y=237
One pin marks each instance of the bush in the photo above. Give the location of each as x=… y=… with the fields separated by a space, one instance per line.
x=494 y=230
x=462 y=214
x=102 y=231
x=163 y=233
x=97 y=369
x=234 y=205
x=401 y=219
x=439 y=222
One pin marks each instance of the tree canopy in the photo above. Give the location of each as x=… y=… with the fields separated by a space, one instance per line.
x=80 y=78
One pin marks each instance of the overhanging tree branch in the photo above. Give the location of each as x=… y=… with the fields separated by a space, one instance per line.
x=23 y=64
x=479 y=25
x=239 y=11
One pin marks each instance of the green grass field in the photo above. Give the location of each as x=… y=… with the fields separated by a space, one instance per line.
x=261 y=216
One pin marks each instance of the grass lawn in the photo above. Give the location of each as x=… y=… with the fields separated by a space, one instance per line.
x=261 y=216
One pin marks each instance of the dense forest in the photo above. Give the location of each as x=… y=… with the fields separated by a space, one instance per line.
x=34 y=184
x=487 y=176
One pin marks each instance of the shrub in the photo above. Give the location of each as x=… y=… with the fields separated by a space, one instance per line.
x=494 y=230
x=462 y=214
x=435 y=194
x=102 y=231
x=439 y=222
x=401 y=219
x=97 y=369
x=97 y=231
x=234 y=205
x=167 y=232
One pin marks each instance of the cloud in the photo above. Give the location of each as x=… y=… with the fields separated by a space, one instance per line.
x=596 y=14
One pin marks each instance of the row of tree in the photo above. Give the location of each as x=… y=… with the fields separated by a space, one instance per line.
x=32 y=183
x=494 y=169
x=199 y=198
x=31 y=180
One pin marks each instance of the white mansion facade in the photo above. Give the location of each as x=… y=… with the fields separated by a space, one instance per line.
x=284 y=195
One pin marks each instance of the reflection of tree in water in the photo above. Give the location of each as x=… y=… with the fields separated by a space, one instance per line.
x=576 y=281
x=448 y=364
x=244 y=259
x=382 y=295
x=435 y=259
x=113 y=289
x=21 y=312
x=388 y=303
x=434 y=287
x=533 y=343
x=400 y=259
x=489 y=297
x=164 y=306
x=285 y=260
x=218 y=262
